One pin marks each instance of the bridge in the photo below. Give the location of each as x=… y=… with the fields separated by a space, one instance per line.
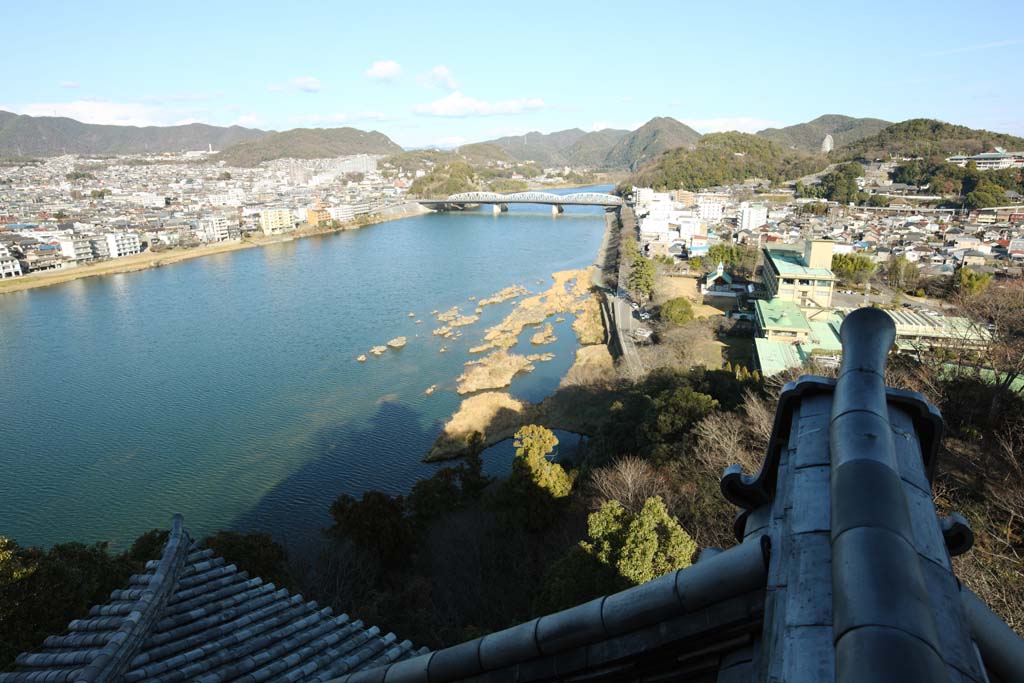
x=500 y=202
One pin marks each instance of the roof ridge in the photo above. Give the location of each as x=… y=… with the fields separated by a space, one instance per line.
x=124 y=643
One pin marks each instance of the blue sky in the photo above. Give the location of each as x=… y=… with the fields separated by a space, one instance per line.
x=446 y=73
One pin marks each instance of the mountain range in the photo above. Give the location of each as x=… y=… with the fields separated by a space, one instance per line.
x=808 y=137
x=609 y=149
x=53 y=135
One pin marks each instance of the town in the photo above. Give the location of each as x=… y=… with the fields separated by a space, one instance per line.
x=64 y=212
x=792 y=268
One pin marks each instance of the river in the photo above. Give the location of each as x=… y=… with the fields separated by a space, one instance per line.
x=226 y=387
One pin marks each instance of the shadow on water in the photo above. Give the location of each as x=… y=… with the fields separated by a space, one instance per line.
x=296 y=509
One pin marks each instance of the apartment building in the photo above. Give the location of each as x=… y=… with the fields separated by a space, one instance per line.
x=217 y=228
x=805 y=279
x=76 y=248
x=9 y=266
x=276 y=221
x=123 y=244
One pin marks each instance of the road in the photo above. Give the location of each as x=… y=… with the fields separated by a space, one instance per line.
x=620 y=310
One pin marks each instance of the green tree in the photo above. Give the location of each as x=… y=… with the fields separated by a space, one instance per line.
x=696 y=263
x=902 y=274
x=376 y=523
x=641 y=277
x=970 y=283
x=533 y=444
x=854 y=268
x=678 y=311
x=623 y=549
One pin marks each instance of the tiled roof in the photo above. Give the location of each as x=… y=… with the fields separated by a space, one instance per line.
x=192 y=617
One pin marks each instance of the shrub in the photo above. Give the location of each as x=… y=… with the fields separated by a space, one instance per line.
x=677 y=311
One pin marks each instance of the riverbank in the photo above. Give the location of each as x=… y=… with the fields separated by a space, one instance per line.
x=150 y=259
x=585 y=393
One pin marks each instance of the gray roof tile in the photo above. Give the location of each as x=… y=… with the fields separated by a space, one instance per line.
x=190 y=616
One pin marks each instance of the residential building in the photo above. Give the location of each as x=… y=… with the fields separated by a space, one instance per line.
x=752 y=217
x=276 y=221
x=805 y=279
x=75 y=248
x=123 y=244
x=342 y=213
x=9 y=266
x=316 y=216
x=217 y=228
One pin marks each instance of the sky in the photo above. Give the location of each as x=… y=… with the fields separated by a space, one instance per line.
x=447 y=73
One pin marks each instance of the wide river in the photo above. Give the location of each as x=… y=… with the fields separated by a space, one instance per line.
x=226 y=387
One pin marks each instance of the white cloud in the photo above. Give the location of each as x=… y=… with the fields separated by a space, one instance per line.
x=742 y=124
x=275 y=87
x=600 y=125
x=972 y=48
x=457 y=105
x=440 y=76
x=384 y=70
x=307 y=83
x=100 y=111
x=71 y=85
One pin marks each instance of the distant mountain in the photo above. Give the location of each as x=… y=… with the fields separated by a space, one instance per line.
x=592 y=149
x=545 y=149
x=928 y=138
x=650 y=140
x=809 y=136
x=482 y=152
x=308 y=143
x=22 y=135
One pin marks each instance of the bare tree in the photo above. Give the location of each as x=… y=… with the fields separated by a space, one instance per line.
x=630 y=481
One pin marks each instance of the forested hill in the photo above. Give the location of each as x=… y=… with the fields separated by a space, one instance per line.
x=808 y=136
x=658 y=135
x=308 y=143
x=725 y=158
x=927 y=138
x=22 y=135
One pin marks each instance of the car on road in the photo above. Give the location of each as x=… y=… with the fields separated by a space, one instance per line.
x=644 y=315
x=635 y=305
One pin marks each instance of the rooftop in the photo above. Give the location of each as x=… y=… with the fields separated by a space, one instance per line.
x=791 y=263
x=779 y=314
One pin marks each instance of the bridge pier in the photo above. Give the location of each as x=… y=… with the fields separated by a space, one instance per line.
x=498 y=208
x=557 y=209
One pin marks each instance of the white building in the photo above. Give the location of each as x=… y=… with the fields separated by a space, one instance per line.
x=75 y=247
x=990 y=161
x=217 y=228
x=123 y=244
x=9 y=266
x=149 y=200
x=276 y=221
x=342 y=213
x=752 y=217
x=710 y=210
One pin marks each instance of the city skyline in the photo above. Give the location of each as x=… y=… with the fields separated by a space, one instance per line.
x=449 y=75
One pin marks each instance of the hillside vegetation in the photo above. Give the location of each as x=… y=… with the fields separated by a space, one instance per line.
x=927 y=138
x=650 y=140
x=808 y=137
x=608 y=148
x=50 y=135
x=722 y=159
x=308 y=143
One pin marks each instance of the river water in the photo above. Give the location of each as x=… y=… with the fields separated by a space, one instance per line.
x=226 y=387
